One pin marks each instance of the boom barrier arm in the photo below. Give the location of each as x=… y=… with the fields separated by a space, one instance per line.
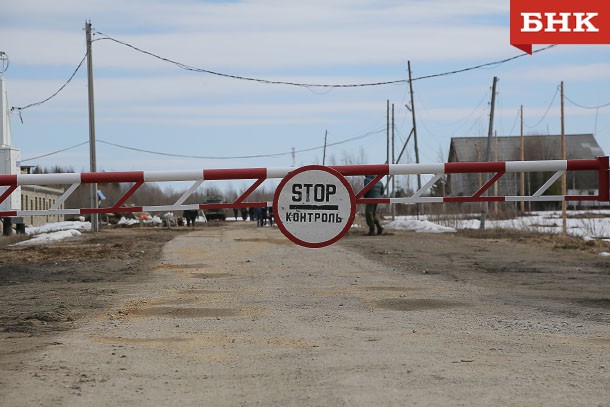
x=259 y=175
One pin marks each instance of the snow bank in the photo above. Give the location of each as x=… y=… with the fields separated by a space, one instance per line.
x=49 y=237
x=57 y=226
x=418 y=226
x=127 y=222
x=53 y=232
x=155 y=220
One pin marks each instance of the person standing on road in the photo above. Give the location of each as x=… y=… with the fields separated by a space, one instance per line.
x=262 y=221
x=370 y=210
x=257 y=215
x=270 y=215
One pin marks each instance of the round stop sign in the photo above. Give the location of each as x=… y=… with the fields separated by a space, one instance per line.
x=314 y=206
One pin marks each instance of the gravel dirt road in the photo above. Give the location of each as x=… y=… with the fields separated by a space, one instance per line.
x=233 y=315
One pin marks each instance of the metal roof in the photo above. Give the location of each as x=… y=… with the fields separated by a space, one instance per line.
x=507 y=148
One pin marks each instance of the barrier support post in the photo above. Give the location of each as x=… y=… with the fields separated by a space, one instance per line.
x=604 y=178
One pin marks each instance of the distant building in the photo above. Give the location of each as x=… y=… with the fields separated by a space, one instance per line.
x=469 y=149
x=37 y=198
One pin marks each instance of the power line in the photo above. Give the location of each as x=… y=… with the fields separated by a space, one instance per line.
x=586 y=107
x=142 y=150
x=19 y=109
x=514 y=122
x=265 y=81
x=56 y=152
x=310 y=85
x=547 y=110
x=368 y=134
x=482 y=65
x=244 y=78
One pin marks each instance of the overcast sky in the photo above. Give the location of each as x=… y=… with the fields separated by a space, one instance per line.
x=146 y=103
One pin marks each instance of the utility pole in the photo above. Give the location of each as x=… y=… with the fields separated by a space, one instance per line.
x=489 y=137
x=324 y=154
x=92 y=154
x=414 y=129
x=495 y=159
x=393 y=162
x=522 y=159
x=564 y=219
x=387 y=187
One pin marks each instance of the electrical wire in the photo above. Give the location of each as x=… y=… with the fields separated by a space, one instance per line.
x=514 y=122
x=547 y=110
x=311 y=85
x=142 y=150
x=265 y=81
x=55 y=152
x=244 y=78
x=368 y=134
x=586 y=107
x=20 y=108
x=482 y=65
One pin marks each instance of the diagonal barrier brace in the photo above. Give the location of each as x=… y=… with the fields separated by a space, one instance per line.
x=259 y=175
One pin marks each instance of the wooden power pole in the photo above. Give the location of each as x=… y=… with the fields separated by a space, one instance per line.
x=489 y=137
x=564 y=219
x=522 y=159
x=387 y=186
x=393 y=162
x=414 y=129
x=92 y=153
x=324 y=153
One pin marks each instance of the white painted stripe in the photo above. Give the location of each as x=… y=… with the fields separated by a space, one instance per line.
x=428 y=185
x=65 y=196
x=169 y=208
x=399 y=169
x=550 y=182
x=543 y=198
x=535 y=166
x=48 y=179
x=188 y=192
x=161 y=176
x=279 y=172
x=49 y=212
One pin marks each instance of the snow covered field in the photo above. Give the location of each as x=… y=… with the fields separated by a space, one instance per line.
x=588 y=225
x=584 y=224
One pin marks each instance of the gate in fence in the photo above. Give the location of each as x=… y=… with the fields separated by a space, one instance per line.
x=314 y=205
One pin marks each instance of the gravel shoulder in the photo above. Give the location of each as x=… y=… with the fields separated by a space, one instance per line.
x=237 y=315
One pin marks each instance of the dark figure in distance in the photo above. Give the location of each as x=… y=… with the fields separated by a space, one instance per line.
x=270 y=215
x=190 y=215
x=262 y=221
x=370 y=210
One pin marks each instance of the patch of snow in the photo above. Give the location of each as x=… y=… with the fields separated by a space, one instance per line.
x=604 y=254
x=57 y=226
x=128 y=222
x=588 y=228
x=49 y=237
x=418 y=226
x=155 y=220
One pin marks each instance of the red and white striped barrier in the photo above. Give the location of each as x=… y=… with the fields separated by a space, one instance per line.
x=138 y=178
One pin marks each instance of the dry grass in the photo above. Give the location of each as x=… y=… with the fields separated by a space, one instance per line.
x=556 y=241
x=10 y=240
